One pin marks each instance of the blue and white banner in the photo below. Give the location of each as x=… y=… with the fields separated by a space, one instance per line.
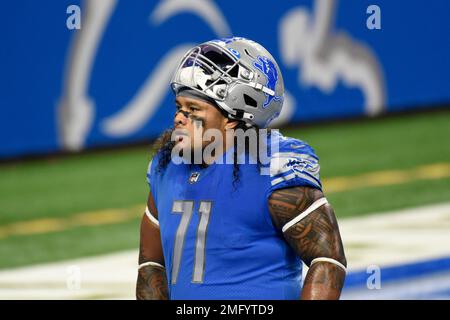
x=78 y=74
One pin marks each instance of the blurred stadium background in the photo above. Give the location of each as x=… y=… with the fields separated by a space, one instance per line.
x=79 y=109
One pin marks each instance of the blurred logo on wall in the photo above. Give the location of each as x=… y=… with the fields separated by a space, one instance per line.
x=110 y=82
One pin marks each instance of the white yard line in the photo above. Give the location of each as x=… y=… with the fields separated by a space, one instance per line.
x=425 y=287
x=397 y=237
x=109 y=276
x=382 y=239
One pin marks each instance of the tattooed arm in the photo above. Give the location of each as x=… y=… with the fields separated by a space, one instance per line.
x=151 y=282
x=316 y=235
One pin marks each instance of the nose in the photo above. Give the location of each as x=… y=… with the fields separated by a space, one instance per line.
x=180 y=118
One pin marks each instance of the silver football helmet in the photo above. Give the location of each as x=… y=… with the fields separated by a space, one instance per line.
x=238 y=74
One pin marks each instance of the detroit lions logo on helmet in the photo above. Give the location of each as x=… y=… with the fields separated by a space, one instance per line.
x=266 y=66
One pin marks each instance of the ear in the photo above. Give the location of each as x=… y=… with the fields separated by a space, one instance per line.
x=230 y=124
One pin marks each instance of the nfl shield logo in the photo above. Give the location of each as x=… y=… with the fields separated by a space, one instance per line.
x=194 y=177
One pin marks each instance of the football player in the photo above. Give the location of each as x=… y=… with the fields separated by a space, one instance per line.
x=214 y=230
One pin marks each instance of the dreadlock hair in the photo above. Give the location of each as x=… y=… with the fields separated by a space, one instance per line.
x=163 y=146
x=242 y=126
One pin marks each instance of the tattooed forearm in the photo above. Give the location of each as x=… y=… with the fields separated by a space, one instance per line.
x=316 y=235
x=323 y=281
x=151 y=284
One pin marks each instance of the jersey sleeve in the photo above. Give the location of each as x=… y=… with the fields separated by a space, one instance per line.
x=150 y=172
x=152 y=175
x=295 y=164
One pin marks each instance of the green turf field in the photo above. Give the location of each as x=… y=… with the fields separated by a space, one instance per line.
x=116 y=179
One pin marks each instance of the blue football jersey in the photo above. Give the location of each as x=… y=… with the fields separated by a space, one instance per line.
x=218 y=238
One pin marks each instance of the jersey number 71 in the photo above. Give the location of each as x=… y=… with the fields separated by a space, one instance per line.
x=186 y=208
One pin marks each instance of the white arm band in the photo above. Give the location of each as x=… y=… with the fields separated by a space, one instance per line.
x=302 y=215
x=323 y=259
x=150 y=263
x=151 y=217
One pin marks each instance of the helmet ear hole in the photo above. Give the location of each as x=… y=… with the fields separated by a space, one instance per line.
x=249 y=101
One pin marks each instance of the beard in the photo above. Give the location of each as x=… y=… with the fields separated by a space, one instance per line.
x=166 y=147
x=173 y=145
